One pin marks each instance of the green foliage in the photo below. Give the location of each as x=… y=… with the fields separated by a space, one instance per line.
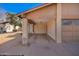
x=14 y=20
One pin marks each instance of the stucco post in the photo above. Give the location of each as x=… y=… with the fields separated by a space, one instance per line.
x=59 y=23
x=24 y=31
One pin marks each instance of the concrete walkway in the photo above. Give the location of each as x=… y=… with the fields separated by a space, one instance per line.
x=40 y=45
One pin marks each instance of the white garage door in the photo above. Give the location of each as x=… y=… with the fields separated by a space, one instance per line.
x=70 y=30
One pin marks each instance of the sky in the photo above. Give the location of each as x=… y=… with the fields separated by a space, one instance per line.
x=15 y=8
x=18 y=7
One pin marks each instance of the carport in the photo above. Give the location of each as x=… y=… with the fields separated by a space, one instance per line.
x=45 y=19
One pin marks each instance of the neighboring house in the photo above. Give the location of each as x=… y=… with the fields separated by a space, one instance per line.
x=6 y=27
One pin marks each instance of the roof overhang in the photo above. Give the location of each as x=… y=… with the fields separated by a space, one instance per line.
x=33 y=9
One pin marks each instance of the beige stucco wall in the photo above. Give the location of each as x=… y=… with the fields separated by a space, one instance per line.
x=30 y=28
x=70 y=10
x=51 y=28
x=40 y=28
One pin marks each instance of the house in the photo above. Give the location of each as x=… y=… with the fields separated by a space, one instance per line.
x=58 y=20
x=6 y=27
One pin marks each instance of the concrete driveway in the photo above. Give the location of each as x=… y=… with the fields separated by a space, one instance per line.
x=40 y=45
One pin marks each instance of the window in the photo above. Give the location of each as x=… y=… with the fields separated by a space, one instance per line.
x=76 y=22
x=66 y=22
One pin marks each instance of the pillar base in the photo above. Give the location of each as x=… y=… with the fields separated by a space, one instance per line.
x=24 y=41
x=59 y=41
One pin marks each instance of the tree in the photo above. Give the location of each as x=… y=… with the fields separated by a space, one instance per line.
x=14 y=20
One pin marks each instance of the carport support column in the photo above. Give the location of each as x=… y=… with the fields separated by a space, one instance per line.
x=59 y=23
x=24 y=31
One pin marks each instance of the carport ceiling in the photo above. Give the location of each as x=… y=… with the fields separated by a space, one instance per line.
x=43 y=14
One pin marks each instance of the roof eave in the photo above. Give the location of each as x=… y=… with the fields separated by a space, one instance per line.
x=41 y=6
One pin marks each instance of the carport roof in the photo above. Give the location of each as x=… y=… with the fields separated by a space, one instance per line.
x=41 y=6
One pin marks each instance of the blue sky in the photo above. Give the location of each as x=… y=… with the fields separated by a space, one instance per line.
x=18 y=7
